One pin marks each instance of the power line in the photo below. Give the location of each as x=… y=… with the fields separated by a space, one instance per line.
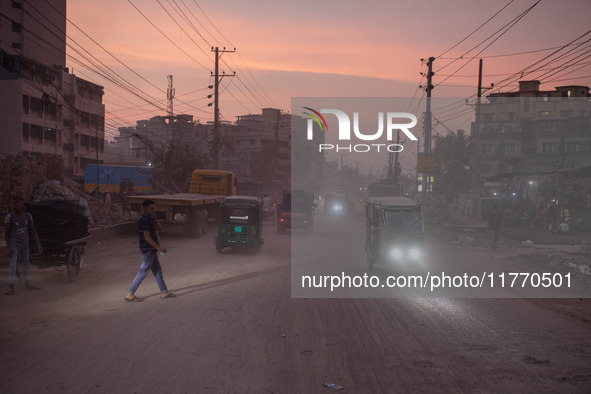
x=503 y=31
x=474 y=31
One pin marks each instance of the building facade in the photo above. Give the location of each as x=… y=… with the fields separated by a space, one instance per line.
x=259 y=147
x=45 y=110
x=136 y=144
x=532 y=131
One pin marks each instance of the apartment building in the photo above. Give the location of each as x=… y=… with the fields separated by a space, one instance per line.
x=44 y=109
x=136 y=144
x=531 y=131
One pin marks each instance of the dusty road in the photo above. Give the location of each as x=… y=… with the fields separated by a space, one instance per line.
x=235 y=328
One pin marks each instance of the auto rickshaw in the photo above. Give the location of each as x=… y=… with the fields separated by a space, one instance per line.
x=240 y=224
x=394 y=232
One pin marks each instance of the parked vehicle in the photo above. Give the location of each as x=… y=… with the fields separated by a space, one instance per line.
x=394 y=232
x=240 y=224
x=296 y=211
x=195 y=209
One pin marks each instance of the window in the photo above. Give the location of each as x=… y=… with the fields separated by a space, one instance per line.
x=486 y=148
x=16 y=27
x=549 y=125
x=544 y=114
x=16 y=45
x=549 y=147
x=571 y=147
x=510 y=149
x=487 y=117
x=25 y=104
x=36 y=134
x=17 y=4
x=26 y=127
x=508 y=116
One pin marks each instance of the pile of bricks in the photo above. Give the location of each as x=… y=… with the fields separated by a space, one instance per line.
x=20 y=175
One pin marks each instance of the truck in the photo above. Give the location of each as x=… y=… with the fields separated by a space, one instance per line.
x=193 y=210
x=118 y=179
x=296 y=211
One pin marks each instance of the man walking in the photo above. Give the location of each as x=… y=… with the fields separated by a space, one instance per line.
x=149 y=236
x=17 y=226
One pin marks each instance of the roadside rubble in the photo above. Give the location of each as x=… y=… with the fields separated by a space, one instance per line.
x=464 y=240
x=101 y=214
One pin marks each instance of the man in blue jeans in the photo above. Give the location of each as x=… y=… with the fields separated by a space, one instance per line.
x=149 y=235
x=17 y=226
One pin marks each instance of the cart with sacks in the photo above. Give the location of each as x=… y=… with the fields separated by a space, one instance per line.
x=63 y=231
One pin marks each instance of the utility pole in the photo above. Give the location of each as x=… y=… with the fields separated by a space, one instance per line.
x=390 y=170
x=216 y=110
x=476 y=157
x=396 y=170
x=417 y=167
x=427 y=142
x=341 y=177
x=170 y=96
x=275 y=163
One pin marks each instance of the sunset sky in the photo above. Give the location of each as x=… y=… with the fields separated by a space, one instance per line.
x=322 y=48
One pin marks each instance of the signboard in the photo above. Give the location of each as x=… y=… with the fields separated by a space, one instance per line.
x=425 y=162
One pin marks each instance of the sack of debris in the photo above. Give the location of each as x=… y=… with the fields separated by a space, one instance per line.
x=58 y=222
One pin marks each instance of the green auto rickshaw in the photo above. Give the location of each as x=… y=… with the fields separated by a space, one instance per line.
x=240 y=224
x=394 y=233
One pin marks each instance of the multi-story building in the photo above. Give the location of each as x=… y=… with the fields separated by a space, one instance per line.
x=135 y=144
x=532 y=131
x=258 y=147
x=45 y=110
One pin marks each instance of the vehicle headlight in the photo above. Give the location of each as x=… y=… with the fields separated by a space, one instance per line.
x=414 y=253
x=396 y=253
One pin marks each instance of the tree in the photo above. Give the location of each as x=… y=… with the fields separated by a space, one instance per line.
x=174 y=166
x=452 y=155
x=572 y=193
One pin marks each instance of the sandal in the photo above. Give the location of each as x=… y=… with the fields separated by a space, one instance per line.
x=133 y=298
x=168 y=294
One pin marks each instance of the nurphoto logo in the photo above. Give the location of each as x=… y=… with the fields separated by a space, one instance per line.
x=391 y=119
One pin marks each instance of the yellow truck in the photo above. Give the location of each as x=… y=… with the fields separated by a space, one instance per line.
x=195 y=209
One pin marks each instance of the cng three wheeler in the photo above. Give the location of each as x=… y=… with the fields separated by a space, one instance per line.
x=394 y=232
x=240 y=224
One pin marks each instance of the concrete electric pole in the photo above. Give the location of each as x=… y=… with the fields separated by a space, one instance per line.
x=216 y=110
x=427 y=142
